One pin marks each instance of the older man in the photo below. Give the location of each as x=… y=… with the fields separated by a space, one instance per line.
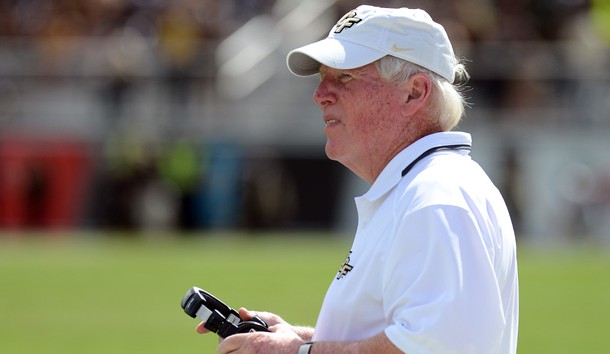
x=432 y=268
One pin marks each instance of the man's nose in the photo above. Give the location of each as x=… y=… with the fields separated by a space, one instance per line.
x=323 y=96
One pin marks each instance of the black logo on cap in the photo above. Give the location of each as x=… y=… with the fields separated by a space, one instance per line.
x=347 y=21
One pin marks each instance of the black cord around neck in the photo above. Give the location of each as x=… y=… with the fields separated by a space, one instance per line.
x=431 y=151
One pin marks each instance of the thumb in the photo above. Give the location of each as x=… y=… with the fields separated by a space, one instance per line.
x=246 y=314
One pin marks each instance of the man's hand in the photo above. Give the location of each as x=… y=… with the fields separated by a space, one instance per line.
x=286 y=339
x=269 y=318
x=282 y=338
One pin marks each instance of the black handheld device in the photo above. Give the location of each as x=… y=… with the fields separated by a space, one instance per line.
x=218 y=317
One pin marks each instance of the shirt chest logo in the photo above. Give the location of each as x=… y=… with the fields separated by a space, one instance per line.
x=345 y=268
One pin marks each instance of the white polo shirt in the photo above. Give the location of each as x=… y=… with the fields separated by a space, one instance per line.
x=433 y=263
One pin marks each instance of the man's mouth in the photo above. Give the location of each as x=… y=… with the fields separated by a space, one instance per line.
x=330 y=122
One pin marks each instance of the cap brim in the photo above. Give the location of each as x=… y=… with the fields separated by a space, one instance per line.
x=306 y=60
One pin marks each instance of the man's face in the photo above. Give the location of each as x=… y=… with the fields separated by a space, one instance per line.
x=361 y=115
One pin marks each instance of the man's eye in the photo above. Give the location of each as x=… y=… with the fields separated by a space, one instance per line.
x=345 y=78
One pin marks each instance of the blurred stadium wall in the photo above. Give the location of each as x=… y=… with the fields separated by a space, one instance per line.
x=181 y=115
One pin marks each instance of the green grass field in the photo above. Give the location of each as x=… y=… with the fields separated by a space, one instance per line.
x=93 y=294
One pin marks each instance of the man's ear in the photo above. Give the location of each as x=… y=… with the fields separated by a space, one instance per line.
x=418 y=90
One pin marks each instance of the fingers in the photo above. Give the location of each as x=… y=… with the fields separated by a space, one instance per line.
x=270 y=318
x=231 y=344
x=201 y=329
x=246 y=314
x=283 y=340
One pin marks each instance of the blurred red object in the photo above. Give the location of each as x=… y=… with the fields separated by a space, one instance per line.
x=42 y=182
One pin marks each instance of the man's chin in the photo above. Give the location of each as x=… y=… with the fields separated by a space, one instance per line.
x=331 y=153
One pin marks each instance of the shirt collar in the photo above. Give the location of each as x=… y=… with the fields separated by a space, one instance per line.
x=391 y=174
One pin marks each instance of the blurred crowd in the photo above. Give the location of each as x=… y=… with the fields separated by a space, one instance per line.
x=474 y=20
x=523 y=53
x=85 y=18
x=531 y=61
x=183 y=35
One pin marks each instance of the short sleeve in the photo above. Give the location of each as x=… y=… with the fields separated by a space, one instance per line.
x=439 y=288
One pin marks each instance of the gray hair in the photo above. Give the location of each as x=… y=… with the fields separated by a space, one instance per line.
x=450 y=101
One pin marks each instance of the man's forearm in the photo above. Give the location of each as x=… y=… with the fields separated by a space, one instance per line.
x=379 y=344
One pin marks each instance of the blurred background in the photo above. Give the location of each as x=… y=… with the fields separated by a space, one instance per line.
x=179 y=117
x=181 y=114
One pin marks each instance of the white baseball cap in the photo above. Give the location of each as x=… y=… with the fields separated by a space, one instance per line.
x=369 y=33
